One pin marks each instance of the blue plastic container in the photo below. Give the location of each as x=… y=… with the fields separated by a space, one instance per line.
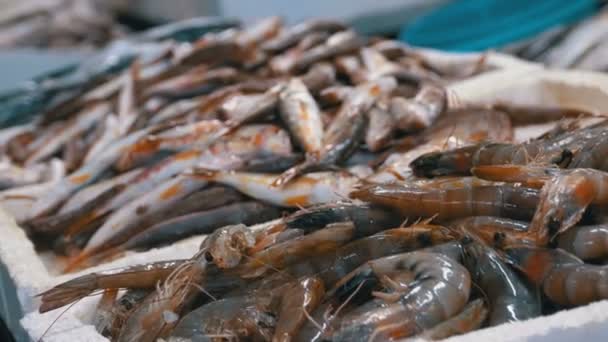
x=475 y=25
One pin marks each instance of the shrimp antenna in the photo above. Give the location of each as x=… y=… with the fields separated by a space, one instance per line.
x=40 y=339
x=269 y=266
x=312 y=320
x=350 y=297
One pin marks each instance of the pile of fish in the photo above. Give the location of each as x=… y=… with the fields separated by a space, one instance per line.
x=396 y=215
x=58 y=23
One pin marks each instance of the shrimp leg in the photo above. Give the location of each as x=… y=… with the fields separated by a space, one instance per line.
x=470 y=318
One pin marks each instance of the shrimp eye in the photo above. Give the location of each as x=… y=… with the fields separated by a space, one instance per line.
x=208 y=257
x=425 y=239
x=499 y=238
x=564 y=158
x=553 y=225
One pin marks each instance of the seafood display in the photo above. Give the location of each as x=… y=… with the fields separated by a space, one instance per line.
x=382 y=211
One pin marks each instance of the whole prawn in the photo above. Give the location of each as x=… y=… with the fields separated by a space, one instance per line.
x=454 y=201
x=563 y=278
x=430 y=288
x=552 y=150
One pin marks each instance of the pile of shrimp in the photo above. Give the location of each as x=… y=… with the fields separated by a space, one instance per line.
x=397 y=214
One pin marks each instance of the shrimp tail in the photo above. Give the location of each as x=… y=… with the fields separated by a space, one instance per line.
x=67 y=293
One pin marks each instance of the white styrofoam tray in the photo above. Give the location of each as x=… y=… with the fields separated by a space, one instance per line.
x=524 y=84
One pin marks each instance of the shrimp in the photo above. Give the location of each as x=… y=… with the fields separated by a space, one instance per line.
x=298 y=300
x=470 y=318
x=556 y=150
x=563 y=278
x=123 y=307
x=455 y=128
x=159 y=313
x=587 y=242
x=453 y=202
x=348 y=257
x=237 y=318
x=591 y=154
x=292 y=251
x=510 y=299
x=139 y=276
x=367 y=219
x=384 y=243
x=302 y=115
x=313 y=188
x=496 y=231
x=225 y=247
x=102 y=319
x=429 y=289
x=564 y=197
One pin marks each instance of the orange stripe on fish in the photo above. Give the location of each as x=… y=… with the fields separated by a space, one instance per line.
x=81 y=179
x=172 y=191
x=296 y=201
